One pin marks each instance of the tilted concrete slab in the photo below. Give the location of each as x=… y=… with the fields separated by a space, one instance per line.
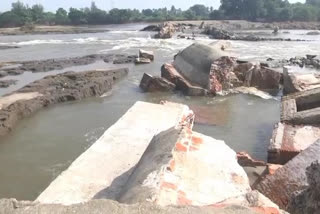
x=280 y=186
x=114 y=154
x=288 y=141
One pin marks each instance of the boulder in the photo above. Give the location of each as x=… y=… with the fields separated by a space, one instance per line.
x=288 y=141
x=307 y=200
x=244 y=159
x=167 y=30
x=281 y=186
x=151 y=84
x=295 y=80
x=182 y=167
x=195 y=61
x=146 y=54
x=140 y=60
x=3 y=74
x=169 y=72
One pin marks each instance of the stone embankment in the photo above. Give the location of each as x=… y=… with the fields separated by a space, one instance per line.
x=50 y=90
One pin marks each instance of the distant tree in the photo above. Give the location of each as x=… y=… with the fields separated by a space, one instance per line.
x=61 y=17
x=147 y=12
x=217 y=15
x=77 y=16
x=200 y=10
x=189 y=15
x=37 y=13
x=10 y=19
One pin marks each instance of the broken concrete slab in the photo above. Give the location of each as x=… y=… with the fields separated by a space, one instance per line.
x=288 y=141
x=263 y=78
x=280 y=186
x=93 y=173
x=54 y=89
x=301 y=108
x=170 y=73
x=152 y=84
x=195 y=61
x=181 y=167
x=296 y=80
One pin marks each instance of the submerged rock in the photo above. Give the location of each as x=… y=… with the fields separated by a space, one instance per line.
x=313 y=33
x=54 y=89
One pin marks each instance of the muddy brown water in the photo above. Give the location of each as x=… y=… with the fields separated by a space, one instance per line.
x=43 y=145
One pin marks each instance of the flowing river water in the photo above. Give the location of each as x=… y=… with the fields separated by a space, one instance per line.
x=43 y=145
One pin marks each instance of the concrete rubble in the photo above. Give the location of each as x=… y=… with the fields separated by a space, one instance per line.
x=297 y=80
x=202 y=70
x=289 y=140
x=301 y=108
x=166 y=164
x=281 y=186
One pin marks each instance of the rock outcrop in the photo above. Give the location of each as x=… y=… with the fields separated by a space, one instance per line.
x=281 y=186
x=54 y=89
x=167 y=30
x=46 y=65
x=307 y=200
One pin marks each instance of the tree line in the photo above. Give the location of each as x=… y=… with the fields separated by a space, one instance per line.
x=254 y=10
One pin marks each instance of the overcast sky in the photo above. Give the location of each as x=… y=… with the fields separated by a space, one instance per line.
x=53 y=5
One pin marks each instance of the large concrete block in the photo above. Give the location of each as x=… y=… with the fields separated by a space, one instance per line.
x=181 y=167
x=301 y=107
x=195 y=61
x=288 y=141
x=280 y=186
x=114 y=154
